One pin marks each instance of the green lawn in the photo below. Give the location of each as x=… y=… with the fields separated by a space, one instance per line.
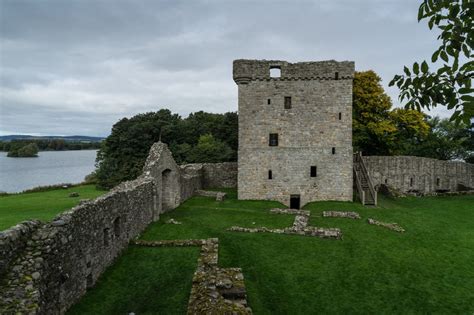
x=41 y=205
x=428 y=269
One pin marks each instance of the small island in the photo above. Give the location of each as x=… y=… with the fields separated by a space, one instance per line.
x=28 y=150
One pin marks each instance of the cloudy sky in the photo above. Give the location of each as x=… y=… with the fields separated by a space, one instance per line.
x=76 y=67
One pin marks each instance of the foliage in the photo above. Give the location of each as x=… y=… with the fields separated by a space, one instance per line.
x=447 y=141
x=210 y=150
x=378 y=130
x=49 y=144
x=43 y=205
x=24 y=150
x=124 y=152
x=371 y=271
x=451 y=84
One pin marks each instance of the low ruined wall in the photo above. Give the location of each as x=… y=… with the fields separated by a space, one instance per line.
x=420 y=175
x=13 y=241
x=65 y=257
x=219 y=175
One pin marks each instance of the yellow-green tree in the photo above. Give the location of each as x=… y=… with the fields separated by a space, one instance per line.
x=378 y=130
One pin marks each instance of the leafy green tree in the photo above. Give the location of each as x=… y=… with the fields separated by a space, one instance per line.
x=378 y=130
x=447 y=141
x=210 y=150
x=124 y=152
x=449 y=85
x=27 y=150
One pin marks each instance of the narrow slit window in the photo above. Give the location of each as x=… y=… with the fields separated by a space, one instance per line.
x=106 y=237
x=411 y=181
x=340 y=116
x=437 y=181
x=336 y=76
x=287 y=102
x=117 y=227
x=314 y=171
x=270 y=174
x=333 y=150
x=273 y=140
x=275 y=72
x=269 y=101
x=386 y=181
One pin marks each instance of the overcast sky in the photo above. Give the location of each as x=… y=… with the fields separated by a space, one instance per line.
x=76 y=67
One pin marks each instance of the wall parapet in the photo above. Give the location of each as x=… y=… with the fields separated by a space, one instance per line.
x=245 y=70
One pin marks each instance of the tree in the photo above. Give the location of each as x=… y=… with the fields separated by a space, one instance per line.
x=210 y=150
x=447 y=141
x=124 y=152
x=376 y=129
x=28 y=150
x=451 y=84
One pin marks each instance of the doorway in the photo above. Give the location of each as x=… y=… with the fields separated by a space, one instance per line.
x=294 y=201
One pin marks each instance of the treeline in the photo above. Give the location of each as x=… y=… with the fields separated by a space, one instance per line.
x=48 y=145
x=201 y=137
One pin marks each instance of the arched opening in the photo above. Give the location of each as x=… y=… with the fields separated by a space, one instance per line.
x=167 y=201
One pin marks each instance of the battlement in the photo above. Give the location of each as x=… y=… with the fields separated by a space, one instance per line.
x=245 y=70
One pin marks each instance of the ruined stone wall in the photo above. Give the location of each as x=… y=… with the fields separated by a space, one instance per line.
x=13 y=241
x=48 y=267
x=320 y=119
x=418 y=174
x=219 y=175
x=64 y=258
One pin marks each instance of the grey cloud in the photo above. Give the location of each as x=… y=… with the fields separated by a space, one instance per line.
x=88 y=63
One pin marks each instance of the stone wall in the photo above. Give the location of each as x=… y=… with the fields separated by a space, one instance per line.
x=419 y=175
x=65 y=257
x=48 y=267
x=315 y=131
x=13 y=242
x=219 y=175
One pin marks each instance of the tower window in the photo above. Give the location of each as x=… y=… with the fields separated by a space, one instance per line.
x=269 y=101
x=314 y=171
x=336 y=76
x=386 y=181
x=275 y=72
x=333 y=150
x=273 y=140
x=437 y=181
x=411 y=181
x=270 y=174
x=287 y=102
x=340 y=116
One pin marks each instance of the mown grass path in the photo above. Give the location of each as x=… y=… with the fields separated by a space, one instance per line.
x=41 y=205
x=427 y=269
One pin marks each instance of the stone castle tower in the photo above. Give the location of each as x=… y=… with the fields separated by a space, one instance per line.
x=295 y=130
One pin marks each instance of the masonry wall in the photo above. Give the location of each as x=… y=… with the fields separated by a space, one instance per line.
x=13 y=241
x=417 y=174
x=320 y=119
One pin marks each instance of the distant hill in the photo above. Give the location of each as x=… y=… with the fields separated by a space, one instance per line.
x=65 y=138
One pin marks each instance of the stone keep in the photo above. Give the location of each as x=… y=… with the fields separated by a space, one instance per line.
x=295 y=130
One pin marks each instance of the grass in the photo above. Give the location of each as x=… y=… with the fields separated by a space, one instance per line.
x=428 y=269
x=41 y=205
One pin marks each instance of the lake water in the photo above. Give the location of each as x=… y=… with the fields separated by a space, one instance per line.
x=50 y=168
